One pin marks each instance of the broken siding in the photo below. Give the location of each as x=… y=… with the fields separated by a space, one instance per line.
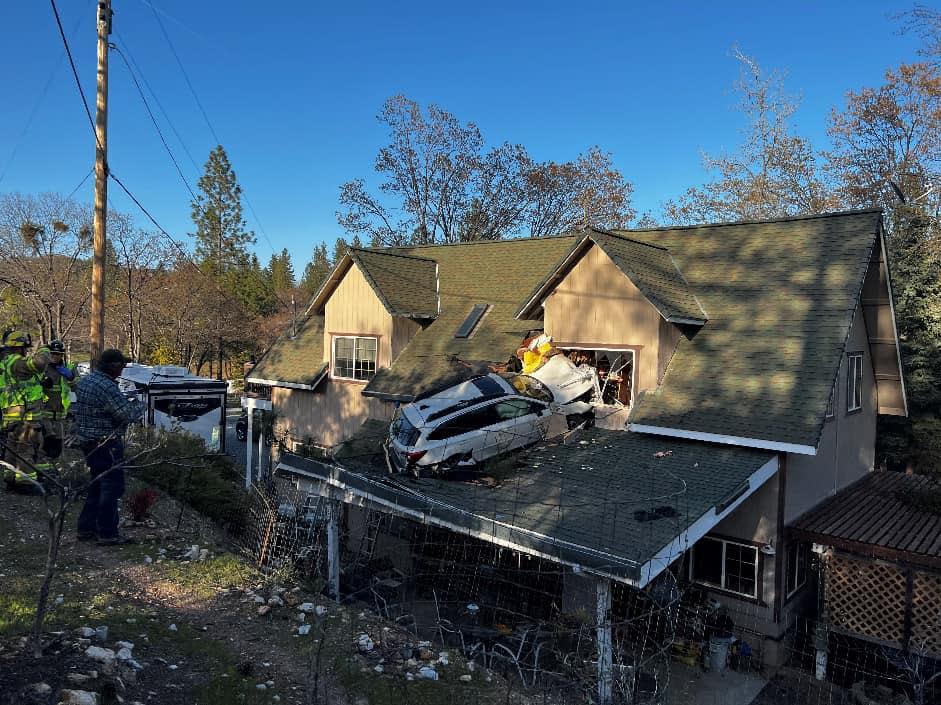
x=596 y=305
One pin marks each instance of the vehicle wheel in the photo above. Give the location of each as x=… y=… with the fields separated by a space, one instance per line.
x=455 y=462
x=240 y=433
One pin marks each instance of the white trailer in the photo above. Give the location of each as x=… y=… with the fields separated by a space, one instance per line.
x=175 y=399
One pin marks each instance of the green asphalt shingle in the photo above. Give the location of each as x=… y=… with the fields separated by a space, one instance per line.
x=297 y=359
x=650 y=267
x=593 y=495
x=780 y=297
x=406 y=285
x=499 y=273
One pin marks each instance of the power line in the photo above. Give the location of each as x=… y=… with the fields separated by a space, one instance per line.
x=153 y=119
x=212 y=129
x=80 y=183
x=78 y=82
x=153 y=93
x=35 y=109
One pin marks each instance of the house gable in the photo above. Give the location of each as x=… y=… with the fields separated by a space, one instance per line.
x=596 y=305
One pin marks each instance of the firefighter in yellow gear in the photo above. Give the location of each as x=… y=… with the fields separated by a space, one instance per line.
x=24 y=380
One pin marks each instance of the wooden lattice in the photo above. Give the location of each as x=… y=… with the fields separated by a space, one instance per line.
x=866 y=597
x=926 y=612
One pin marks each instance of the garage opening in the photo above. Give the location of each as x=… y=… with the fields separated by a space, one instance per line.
x=615 y=372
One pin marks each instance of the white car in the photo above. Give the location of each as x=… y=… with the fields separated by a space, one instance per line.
x=477 y=420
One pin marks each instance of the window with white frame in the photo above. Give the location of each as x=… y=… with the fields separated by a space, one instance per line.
x=795 y=568
x=354 y=357
x=854 y=381
x=726 y=565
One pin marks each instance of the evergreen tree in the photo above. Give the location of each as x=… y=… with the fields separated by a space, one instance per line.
x=316 y=271
x=281 y=271
x=221 y=237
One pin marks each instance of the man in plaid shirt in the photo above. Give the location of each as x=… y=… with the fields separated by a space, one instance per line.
x=102 y=415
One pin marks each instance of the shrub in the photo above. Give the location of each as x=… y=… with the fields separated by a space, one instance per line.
x=139 y=503
x=182 y=466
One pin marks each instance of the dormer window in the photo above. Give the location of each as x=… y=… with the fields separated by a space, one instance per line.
x=354 y=357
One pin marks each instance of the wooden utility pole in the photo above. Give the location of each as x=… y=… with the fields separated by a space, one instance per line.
x=97 y=327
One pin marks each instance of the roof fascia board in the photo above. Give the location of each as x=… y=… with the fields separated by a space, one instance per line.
x=702 y=526
x=680 y=320
x=429 y=518
x=723 y=439
x=539 y=295
x=895 y=332
x=387 y=397
x=289 y=385
x=326 y=289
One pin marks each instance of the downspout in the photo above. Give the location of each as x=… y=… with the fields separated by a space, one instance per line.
x=779 y=552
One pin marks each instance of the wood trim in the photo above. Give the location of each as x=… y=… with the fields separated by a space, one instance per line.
x=350 y=380
x=867 y=551
x=596 y=346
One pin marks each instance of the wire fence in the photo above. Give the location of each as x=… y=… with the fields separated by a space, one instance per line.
x=534 y=624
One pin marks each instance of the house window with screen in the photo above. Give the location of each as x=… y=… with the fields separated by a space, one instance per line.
x=854 y=381
x=795 y=568
x=354 y=357
x=726 y=565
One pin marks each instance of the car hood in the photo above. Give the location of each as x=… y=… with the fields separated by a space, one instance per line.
x=565 y=379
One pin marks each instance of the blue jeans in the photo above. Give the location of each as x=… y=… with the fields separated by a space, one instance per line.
x=100 y=513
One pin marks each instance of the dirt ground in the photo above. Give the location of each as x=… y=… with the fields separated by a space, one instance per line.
x=196 y=628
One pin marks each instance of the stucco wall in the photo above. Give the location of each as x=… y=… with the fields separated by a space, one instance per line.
x=597 y=305
x=847 y=444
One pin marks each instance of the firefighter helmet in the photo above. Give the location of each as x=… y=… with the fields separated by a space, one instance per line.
x=18 y=339
x=57 y=346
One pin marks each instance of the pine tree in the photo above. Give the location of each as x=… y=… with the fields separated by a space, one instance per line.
x=281 y=271
x=316 y=271
x=221 y=237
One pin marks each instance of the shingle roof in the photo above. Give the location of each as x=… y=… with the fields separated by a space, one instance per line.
x=879 y=515
x=294 y=360
x=593 y=500
x=498 y=273
x=781 y=297
x=406 y=285
x=650 y=267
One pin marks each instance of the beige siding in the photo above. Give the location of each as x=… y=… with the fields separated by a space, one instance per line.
x=597 y=305
x=847 y=444
x=328 y=416
x=877 y=309
x=669 y=337
x=355 y=308
x=338 y=408
x=403 y=330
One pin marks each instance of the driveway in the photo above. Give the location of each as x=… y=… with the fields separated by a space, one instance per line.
x=235 y=448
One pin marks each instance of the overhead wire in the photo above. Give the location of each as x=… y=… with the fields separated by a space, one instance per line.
x=209 y=124
x=36 y=105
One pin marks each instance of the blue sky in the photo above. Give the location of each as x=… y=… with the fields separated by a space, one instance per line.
x=292 y=90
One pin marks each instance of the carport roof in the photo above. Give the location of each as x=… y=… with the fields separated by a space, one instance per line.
x=591 y=502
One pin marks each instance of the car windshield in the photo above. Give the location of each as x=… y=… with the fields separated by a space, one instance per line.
x=531 y=387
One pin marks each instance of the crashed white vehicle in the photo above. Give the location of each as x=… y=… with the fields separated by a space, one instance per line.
x=487 y=416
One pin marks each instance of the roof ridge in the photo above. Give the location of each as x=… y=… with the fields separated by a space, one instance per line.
x=621 y=236
x=729 y=223
x=378 y=251
x=506 y=240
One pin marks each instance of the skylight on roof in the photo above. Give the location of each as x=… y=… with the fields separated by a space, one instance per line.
x=473 y=318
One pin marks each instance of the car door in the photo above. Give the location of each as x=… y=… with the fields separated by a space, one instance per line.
x=467 y=435
x=520 y=423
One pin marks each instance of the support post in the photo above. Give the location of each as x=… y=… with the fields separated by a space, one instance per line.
x=96 y=332
x=333 y=549
x=248 y=449
x=603 y=638
x=261 y=441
